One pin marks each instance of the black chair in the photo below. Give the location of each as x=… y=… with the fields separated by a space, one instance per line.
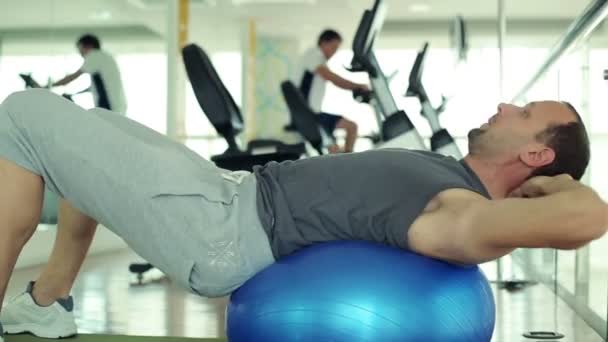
x=304 y=119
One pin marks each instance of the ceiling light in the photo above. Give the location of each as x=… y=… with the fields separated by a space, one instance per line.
x=103 y=15
x=420 y=8
x=162 y=4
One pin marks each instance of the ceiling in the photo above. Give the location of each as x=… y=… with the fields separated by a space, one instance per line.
x=116 y=12
x=224 y=19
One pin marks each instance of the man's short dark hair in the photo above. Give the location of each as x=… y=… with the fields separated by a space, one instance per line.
x=571 y=145
x=89 y=40
x=329 y=35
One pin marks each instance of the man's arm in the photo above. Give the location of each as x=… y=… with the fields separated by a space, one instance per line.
x=337 y=80
x=467 y=228
x=67 y=79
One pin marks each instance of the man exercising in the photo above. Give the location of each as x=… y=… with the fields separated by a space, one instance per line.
x=106 y=82
x=312 y=74
x=210 y=230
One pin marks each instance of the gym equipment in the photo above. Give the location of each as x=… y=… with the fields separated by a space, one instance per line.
x=543 y=335
x=304 y=119
x=31 y=83
x=354 y=290
x=459 y=41
x=441 y=140
x=223 y=113
x=395 y=127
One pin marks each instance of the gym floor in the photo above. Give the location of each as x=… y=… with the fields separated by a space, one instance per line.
x=108 y=303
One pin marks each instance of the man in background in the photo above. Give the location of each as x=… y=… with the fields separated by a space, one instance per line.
x=106 y=83
x=312 y=75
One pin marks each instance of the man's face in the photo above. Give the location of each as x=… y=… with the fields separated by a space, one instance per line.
x=83 y=50
x=512 y=132
x=330 y=47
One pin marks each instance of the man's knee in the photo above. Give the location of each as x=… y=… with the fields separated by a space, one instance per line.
x=349 y=126
x=28 y=96
x=29 y=103
x=14 y=100
x=35 y=109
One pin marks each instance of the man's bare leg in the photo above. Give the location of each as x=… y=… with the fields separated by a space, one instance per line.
x=351 y=133
x=75 y=233
x=21 y=194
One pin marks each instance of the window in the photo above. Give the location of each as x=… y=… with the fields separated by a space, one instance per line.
x=145 y=80
x=43 y=69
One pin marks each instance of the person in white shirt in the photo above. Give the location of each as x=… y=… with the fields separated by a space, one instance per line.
x=106 y=83
x=311 y=76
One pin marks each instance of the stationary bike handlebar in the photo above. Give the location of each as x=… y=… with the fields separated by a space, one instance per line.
x=362 y=96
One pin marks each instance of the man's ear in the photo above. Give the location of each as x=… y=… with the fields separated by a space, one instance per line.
x=537 y=155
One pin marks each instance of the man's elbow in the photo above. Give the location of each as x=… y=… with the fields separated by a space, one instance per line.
x=595 y=209
x=569 y=245
x=588 y=221
x=594 y=229
x=597 y=220
x=596 y=232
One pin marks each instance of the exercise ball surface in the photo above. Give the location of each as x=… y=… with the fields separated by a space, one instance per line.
x=360 y=291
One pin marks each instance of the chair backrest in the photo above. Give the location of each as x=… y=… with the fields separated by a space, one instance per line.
x=303 y=117
x=212 y=95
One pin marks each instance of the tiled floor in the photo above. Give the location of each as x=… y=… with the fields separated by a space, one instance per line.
x=107 y=303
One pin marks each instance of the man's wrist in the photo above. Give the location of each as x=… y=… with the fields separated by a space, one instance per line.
x=560 y=185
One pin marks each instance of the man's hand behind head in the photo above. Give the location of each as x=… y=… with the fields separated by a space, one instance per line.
x=542 y=185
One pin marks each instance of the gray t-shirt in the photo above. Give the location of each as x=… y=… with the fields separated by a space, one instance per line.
x=373 y=196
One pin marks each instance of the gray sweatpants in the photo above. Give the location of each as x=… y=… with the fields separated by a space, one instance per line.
x=195 y=222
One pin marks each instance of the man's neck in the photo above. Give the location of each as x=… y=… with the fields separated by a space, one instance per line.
x=499 y=177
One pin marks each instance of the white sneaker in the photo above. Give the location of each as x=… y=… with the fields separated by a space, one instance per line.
x=22 y=314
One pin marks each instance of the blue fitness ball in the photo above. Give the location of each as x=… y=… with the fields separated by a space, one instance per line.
x=360 y=291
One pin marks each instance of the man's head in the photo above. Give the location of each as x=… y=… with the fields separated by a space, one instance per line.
x=329 y=42
x=548 y=138
x=87 y=43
